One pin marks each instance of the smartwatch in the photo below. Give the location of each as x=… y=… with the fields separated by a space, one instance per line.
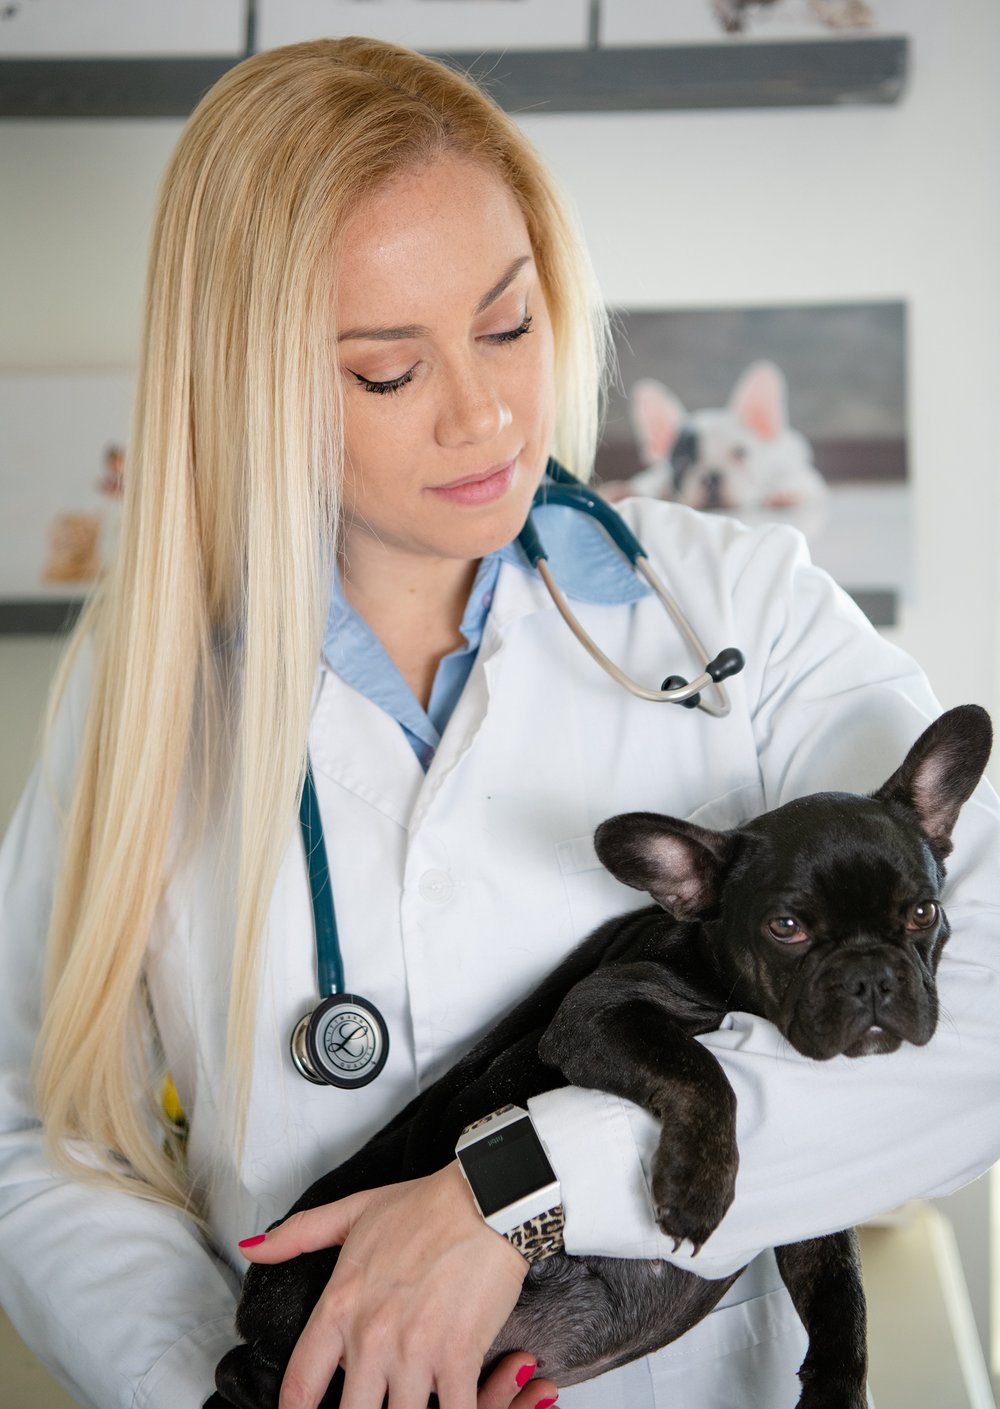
x=512 y=1181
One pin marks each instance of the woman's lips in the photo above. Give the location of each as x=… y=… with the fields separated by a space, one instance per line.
x=478 y=489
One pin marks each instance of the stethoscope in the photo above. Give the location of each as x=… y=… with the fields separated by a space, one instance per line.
x=344 y=1041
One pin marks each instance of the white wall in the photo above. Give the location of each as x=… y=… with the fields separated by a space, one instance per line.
x=680 y=209
x=813 y=205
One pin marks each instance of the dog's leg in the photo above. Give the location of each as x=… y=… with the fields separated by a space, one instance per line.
x=246 y=1379
x=823 y=1276
x=617 y=1030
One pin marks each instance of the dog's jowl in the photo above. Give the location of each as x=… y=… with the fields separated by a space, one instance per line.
x=823 y=916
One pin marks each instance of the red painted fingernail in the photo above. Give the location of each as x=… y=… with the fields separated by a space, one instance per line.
x=525 y=1373
x=252 y=1242
x=546 y=1403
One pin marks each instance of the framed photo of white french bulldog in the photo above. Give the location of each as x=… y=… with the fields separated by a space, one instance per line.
x=784 y=414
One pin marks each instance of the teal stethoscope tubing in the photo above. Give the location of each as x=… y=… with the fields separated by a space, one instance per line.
x=318 y=1043
x=329 y=962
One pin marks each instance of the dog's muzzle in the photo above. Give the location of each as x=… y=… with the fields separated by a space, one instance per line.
x=862 y=1002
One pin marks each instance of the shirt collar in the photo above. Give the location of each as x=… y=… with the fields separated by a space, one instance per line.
x=584 y=562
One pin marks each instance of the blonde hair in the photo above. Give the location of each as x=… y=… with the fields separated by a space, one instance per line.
x=207 y=632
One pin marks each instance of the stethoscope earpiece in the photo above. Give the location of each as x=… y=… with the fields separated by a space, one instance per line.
x=344 y=1042
x=726 y=663
x=677 y=682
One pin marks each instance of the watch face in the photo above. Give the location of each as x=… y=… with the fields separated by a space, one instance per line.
x=505 y=1166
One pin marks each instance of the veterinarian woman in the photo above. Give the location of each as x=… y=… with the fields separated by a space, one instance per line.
x=369 y=323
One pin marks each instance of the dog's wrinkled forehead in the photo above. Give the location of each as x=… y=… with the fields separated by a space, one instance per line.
x=711 y=437
x=838 y=839
x=685 y=451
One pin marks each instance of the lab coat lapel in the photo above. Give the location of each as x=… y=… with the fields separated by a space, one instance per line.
x=516 y=595
x=357 y=745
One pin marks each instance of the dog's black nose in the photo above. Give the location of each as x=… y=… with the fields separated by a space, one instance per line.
x=871 y=980
x=712 y=485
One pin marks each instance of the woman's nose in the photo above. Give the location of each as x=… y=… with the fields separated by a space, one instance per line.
x=473 y=409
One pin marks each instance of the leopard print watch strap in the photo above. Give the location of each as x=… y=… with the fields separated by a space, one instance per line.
x=540 y=1236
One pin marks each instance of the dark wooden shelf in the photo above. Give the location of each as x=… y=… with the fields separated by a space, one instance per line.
x=732 y=75
x=725 y=75
x=52 y=617
x=48 y=616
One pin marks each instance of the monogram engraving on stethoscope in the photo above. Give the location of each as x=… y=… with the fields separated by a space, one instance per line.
x=350 y=1041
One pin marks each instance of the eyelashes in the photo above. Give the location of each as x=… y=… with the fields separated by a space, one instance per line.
x=512 y=334
x=385 y=388
x=397 y=383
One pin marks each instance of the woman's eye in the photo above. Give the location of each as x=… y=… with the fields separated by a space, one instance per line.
x=923 y=915
x=512 y=334
x=786 y=928
x=394 y=384
x=384 y=388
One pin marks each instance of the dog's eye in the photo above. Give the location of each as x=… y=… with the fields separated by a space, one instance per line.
x=922 y=916
x=786 y=928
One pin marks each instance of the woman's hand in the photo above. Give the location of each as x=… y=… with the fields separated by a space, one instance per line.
x=419 y=1292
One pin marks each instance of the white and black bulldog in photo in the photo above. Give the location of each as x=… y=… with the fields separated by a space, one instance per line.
x=744 y=458
x=823 y=916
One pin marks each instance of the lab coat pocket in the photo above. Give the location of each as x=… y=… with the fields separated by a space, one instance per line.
x=730 y=809
x=744 y=1356
x=592 y=893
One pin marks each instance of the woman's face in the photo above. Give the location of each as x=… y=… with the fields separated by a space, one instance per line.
x=445 y=346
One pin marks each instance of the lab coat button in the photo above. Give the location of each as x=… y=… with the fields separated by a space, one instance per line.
x=436 y=887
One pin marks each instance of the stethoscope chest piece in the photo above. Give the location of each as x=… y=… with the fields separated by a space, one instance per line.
x=343 y=1042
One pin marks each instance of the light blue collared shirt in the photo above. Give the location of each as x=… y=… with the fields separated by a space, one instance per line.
x=584 y=563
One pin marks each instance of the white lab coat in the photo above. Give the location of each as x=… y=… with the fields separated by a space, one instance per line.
x=455 y=892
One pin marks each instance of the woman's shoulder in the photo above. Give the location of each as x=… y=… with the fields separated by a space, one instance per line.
x=672 y=532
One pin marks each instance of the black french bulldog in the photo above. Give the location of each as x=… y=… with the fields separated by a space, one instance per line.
x=823 y=916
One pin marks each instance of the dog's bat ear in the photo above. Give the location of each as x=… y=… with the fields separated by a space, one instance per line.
x=679 y=864
x=941 y=771
x=759 y=400
x=657 y=416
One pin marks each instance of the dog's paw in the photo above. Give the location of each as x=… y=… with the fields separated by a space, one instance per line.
x=692 y=1188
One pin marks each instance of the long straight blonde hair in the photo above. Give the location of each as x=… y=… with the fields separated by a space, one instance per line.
x=206 y=634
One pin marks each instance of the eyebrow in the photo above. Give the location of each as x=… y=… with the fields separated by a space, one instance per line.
x=417 y=330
